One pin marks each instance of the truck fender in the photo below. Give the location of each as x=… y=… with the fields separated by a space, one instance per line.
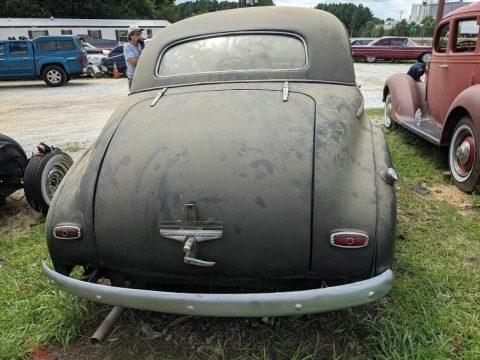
x=407 y=97
x=52 y=61
x=466 y=103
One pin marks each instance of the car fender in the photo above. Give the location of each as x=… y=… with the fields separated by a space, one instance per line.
x=407 y=96
x=466 y=103
x=43 y=62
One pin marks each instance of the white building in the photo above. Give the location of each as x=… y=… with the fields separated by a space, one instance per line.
x=429 y=8
x=112 y=29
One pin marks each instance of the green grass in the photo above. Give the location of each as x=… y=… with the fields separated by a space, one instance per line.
x=433 y=311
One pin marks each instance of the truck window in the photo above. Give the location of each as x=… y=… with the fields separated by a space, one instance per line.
x=442 y=41
x=46 y=45
x=2 y=49
x=234 y=53
x=65 y=45
x=18 y=49
x=467 y=36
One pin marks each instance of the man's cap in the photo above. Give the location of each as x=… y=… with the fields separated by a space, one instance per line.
x=134 y=29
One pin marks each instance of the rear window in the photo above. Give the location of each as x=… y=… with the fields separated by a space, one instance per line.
x=249 y=52
x=467 y=36
x=52 y=45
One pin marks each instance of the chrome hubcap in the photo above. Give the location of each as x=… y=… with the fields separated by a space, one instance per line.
x=54 y=76
x=463 y=153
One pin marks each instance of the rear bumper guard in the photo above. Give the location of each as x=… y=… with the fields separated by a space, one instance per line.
x=231 y=305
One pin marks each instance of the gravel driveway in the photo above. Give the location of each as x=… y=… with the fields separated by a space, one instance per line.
x=71 y=117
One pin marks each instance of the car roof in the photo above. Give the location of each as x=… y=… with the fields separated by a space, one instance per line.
x=474 y=7
x=327 y=42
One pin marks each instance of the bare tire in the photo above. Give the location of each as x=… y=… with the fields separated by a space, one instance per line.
x=370 y=59
x=54 y=76
x=387 y=111
x=43 y=175
x=463 y=156
x=425 y=58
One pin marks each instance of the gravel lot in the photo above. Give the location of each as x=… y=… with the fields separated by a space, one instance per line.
x=71 y=117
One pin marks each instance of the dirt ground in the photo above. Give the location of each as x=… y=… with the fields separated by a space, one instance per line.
x=71 y=117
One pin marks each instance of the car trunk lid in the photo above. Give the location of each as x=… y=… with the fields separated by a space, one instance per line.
x=235 y=163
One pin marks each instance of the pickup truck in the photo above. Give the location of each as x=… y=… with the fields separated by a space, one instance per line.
x=55 y=59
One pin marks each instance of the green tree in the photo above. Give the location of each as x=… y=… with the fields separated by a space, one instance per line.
x=428 y=26
x=402 y=28
x=354 y=17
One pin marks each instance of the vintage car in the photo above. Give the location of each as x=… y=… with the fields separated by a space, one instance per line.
x=445 y=109
x=240 y=178
x=39 y=175
x=392 y=48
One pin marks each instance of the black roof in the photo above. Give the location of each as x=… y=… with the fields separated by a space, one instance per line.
x=328 y=45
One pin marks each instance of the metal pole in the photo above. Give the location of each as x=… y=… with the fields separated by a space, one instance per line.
x=440 y=9
x=106 y=326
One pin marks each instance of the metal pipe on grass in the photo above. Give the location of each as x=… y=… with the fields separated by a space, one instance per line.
x=106 y=326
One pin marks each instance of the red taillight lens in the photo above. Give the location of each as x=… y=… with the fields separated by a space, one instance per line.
x=349 y=239
x=67 y=232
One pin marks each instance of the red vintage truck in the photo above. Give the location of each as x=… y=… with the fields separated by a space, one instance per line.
x=445 y=109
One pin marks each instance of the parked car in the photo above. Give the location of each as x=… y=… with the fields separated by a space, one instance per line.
x=114 y=57
x=53 y=58
x=240 y=177
x=392 y=48
x=105 y=44
x=445 y=110
x=39 y=176
x=361 y=41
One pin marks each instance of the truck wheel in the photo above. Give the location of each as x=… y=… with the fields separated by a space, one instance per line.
x=54 y=76
x=387 y=111
x=43 y=176
x=425 y=58
x=463 y=156
x=371 y=59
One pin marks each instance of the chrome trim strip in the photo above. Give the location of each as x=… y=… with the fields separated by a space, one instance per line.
x=346 y=232
x=220 y=34
x=307 y=81
x=231 y=305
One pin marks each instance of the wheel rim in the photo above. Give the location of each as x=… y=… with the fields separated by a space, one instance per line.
x=52 y=178
x=387 y=121
x=426 y=58
x=54 y=76
x=462 y=153
x=371 y=59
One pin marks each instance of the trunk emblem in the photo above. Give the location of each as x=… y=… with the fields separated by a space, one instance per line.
x=191 y=232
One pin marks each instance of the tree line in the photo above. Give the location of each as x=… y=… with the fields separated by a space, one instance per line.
x=358 y=19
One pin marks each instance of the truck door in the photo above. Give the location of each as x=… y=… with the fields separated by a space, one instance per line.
x=460 y=73
x=3 y=62
x=20 y=59
x=437 y=75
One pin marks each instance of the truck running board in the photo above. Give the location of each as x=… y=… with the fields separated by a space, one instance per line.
x=426 y=129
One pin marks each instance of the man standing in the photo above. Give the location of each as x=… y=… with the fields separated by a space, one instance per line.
x=132 y=51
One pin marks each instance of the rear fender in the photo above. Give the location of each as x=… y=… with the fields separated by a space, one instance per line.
x=407 y=97
x=464 y=104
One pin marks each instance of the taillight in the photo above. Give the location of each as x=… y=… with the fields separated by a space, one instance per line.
x=82 y=59
x=349 y=239
x=67 y=232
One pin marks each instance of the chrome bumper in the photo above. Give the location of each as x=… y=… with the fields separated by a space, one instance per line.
x=231 y=305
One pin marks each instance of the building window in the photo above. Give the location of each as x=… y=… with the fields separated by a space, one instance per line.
x=121 y=35
x=67 y=32
x=149 y=33
x=467 y=36
x=96 y=34
x=32 y=34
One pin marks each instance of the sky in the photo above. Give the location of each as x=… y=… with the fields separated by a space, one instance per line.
x=381 y=8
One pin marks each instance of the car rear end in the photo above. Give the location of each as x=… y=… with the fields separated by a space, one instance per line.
x=241 y=179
